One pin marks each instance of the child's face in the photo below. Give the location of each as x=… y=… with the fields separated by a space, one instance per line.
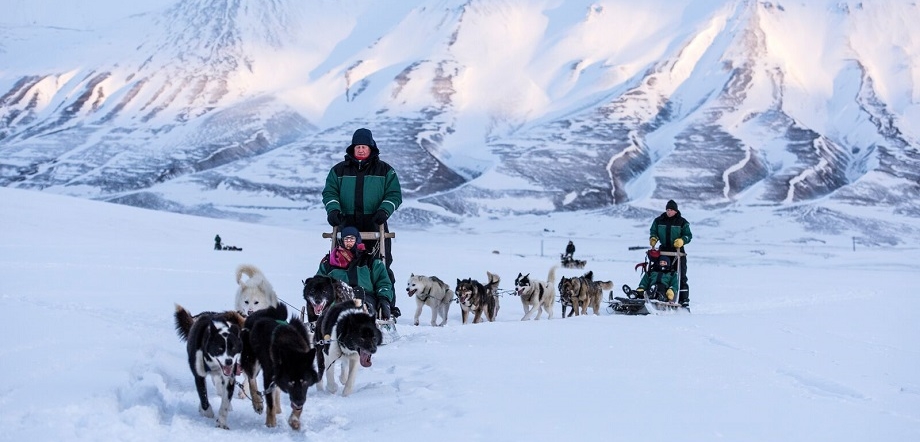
x=663 y=263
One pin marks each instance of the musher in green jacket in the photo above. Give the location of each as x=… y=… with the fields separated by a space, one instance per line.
x=363 y=191
x=673 y=231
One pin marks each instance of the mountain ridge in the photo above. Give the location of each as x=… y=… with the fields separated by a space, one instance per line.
x=226 y=107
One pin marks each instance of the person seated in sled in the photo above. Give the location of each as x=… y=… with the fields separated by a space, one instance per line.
x=663 y=277
x=569 y=251
x=351 y=263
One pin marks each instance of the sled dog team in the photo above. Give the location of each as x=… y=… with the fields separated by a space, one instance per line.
x=260 y=337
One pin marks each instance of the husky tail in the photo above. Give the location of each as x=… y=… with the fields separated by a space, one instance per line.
x=184 y=321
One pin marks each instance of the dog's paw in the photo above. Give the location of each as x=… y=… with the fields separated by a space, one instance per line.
x=258 y=406
x=416 y=322
x=331 y=388
x=206 y=413
x=223 y=425
x=294 y=422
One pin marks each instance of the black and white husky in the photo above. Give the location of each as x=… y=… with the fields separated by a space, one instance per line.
x=536 y=296
x=214 y=349
x=349 y=336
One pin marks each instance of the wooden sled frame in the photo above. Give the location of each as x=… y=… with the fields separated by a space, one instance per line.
x=378 y=236
x=388 y=328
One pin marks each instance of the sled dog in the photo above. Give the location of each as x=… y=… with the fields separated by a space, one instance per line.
x=322 y=291
x=475 y=300
x=214 y=349
x=583 y=292
x=430 y=291
x=536 y=296
x=350 y=335
x=492 y=289
x=281 y=351
x=255 y=293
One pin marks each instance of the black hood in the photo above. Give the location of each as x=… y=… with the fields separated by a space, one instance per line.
x=362 y=136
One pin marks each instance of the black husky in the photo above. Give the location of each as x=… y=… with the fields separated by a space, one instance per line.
x=214 y=348
x=322 y=291
x=282 y=352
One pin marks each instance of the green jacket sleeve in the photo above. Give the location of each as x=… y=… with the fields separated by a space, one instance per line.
x=685 y=233
x=332 y=192
x=381 y=279
x=392 y=193
x=643 y=283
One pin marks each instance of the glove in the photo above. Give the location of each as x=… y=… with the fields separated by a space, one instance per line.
x=670 y=295
x=652 y=241
x=679 y=242
x=335 y=218
x=380 y=217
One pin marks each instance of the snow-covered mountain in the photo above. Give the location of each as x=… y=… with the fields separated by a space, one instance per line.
x=238 y=108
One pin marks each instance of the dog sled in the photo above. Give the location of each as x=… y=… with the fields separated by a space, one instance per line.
x=572 y=263
x=651 y=301
x=387 y=327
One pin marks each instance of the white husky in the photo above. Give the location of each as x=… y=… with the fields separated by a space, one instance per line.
x=536 y=296
x=430 y=291
x=255 y=293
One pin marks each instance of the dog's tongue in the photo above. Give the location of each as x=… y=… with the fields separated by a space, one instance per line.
x=411 y=292
x=228 y=370
x=365 y=358
x=318 y=308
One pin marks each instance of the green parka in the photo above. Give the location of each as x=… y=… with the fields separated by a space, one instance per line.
x=365 y=271
x=359 y=188
x=666 y=229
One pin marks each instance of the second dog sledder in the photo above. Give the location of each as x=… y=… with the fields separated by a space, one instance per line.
x=365 y=271
x=657 y=289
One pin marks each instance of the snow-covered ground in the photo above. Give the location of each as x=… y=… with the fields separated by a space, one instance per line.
x=788 y=340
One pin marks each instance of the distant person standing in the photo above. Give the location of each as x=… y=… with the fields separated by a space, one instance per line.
x=569 y=251
x=363 y=191
x=673 y=231
x=217 y=245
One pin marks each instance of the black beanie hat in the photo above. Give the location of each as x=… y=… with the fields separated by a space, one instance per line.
x=352 y=231
x=671 y=205
x=363 y=136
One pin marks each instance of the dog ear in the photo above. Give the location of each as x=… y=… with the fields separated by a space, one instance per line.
x=235 y=318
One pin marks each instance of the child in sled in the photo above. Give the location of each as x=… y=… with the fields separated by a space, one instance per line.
x=351 y=263
x=662 y=277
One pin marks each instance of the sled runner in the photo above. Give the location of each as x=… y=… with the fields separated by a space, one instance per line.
x=651 y=301
x=387 y=327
